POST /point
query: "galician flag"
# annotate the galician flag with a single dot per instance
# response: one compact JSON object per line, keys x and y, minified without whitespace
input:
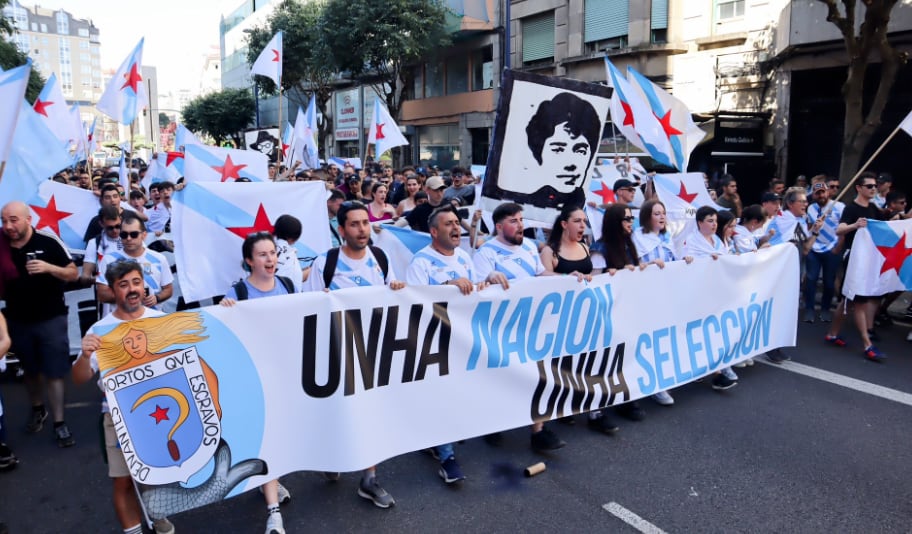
{"x":906,"y":124}
{"x":632,"y":116}
{"x":674,"y":117}
{"x":287,"y":139}
{"x":682,"y":195}
{"x":124,"y":172}
{"x":63,"y":210}
{"x":384,"y":132}
{"x":211,"y":220}
{"x":303,"y":145}
{"x":90,"y":137}
{"x":52,"y":108}
{"x":879,"y":262}
{"x":184,"y":137}
{"x":125,"y":96}
{"x":204,"y":163}
{"x":12,"y":94}
{"x":601,"y":184}
{"x":269,"y":62}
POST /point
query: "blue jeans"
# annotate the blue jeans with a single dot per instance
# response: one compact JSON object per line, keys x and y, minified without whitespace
{"x":814,"y":264}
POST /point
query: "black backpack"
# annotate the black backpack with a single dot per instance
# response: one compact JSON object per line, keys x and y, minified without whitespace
{"x":241,"y":288}
{"x":332,"y":258}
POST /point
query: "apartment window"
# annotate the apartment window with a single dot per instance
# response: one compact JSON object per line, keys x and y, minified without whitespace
{"x":538,"y":38}
{"x":433,"y":80}
{"x":44,"y":28}
{"x":419,"y":81}
{"x":34,"y":26}
{"x":63,"y":23}
{"x":729,"y":9}
{"x":439,"y":145}
{"x":84,"y":45}
{"x":606,"y":19}
{"x":457,"y":75}
{"x":483,"y":69}
{"x":83,"y":32}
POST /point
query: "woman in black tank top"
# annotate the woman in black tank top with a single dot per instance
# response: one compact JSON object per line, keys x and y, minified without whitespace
{"x":565,"y":252}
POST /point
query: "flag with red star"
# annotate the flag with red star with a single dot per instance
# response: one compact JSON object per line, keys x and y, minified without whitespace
{"x":12,"y":93}
{"x":880,"y":259}
{"x":62,"y":120}
{"x":125,"y":95}
{"x":632,"y":116}
{"x":211,"y":220}
{"x":63,"y":210}
{"x":682,"y":195}
{"x":203,"y":163}
{"x":269,"y":62}
{"x":384,"y":132}
{"x":672,"y":114}
{"x":601,"y":183}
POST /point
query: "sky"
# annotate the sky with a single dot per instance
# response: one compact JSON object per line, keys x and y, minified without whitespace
{"x":178,"y":33}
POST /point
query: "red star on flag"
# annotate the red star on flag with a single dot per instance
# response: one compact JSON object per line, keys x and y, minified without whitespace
{"x":275,"y":57}
{"x":895,"y":256}
{"x":229,"y":169}
{"x":285,"y":149}
{"x":41,"y":106}
{"x":606,"y":193}
{"x":380,"y":131}
{"x":133,"y":78}
{"x":260,"y":224}
{"x":628,"y":114}
{"x":685,"y":196}
{"x":666,"y":124}
{"x":49,"y":216}
{"x":173,"y":156}
{"x":160,"y":414}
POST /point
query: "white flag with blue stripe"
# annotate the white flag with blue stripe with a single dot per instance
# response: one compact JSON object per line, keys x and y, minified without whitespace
{"x":204,"y":163}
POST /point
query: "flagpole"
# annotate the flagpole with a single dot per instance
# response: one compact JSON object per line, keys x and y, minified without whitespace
{"x":865,"y":166}
{"x":2,"y":168}
{"x":279,"y":156}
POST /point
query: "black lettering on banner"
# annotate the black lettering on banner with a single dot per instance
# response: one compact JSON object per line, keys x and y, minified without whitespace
{"x":354,"y":342}
{"x":309,"y":357}
{"x":440,"y":320}
{"x":408,"y":344}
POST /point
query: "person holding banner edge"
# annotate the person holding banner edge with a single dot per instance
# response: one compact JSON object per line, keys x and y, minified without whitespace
{"x":261,"y":261}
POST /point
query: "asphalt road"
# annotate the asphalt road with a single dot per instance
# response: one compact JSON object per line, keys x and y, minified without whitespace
{"x":782,"y":452}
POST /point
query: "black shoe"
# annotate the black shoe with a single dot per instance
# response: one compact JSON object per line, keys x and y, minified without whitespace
{"x":777,"y":356}
{"x":495,"y":439}
{"x":568,"y":420}
{"x":36,"y":421}
{"x":631,"y":411}
{"x":721,"y":383}
{"x":64,"y":437}
{"x":603,"y":424}
{"x":545,"y":440}
{"x":8,"y":460}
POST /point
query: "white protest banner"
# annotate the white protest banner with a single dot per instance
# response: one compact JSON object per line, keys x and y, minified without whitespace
{"x":210,"y":221}
{"x":343,"y":380}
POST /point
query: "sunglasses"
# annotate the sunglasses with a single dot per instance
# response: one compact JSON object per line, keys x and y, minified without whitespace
{"x":833,"y":186}
{"x":132,"y":235}
{"x":869,"y":186}
{"x":114,"y":228}
{"x":629,"y":219}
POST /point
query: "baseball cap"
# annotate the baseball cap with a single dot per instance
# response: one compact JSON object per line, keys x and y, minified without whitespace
{"x":769,"y":197}
{"x":623,"y":183}
{"x":818,"y":187}
{"x":435,"y":182}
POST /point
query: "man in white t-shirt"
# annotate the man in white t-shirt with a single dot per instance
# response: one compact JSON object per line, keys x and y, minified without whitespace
{"x":355,"y":264}
{"x":156,"y":271}
{"x":126,"y":283}
{"x":510,"y":257}
{"x":97,"y":247}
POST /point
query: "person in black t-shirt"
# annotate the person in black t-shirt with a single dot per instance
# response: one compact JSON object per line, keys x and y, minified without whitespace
{"x":863,"y":307}
{"x":37,"y":315}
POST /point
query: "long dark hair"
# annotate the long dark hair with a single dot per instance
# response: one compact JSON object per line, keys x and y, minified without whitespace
{"x":557,"y":231}
{"x":722,"y":219}
{"x":646,"y":216}
{"x":616,"y":245}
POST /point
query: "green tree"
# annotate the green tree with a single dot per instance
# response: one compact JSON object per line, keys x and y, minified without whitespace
{"x":378,"y":42}
{"x":305,"y":69}
{"x":11,"y":57}
{"x":222,"y":115}
{"x":863,"y":44}
{"x":163,"y":120}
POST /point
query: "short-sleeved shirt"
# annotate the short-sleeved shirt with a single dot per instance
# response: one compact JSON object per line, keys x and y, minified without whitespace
{"x":349,"y":273}
{"x":854,"y":211}
{"x":287,"y":263}
{"x":97,"y":248}
{"x":827,"y":238}
{"x":37,"y":297}
{"x":159,"y":216}
{"x":430,"y":268}
{"x":254,"y":293}
{"x":155,"y":268}
{"x":514,"y":261}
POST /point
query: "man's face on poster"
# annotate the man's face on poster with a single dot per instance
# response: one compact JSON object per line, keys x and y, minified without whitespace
{"x":566,"y":158}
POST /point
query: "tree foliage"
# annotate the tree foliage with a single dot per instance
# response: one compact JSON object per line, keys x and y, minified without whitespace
{"x":306,"y":69}
{"x":863,"y":43}
{"x":11,"y":57}
{"x":377,"y":42}
{"x":163,"y":120}
{"x":222,"y":115}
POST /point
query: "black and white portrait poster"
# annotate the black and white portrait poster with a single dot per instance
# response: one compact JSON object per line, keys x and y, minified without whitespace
{"x":546,"y":137}
{"x":265,"y":141}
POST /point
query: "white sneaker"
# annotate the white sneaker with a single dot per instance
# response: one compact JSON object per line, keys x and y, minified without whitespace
{"x":284,"y":494}
{"x":274,"y":524}
{"x":749,"y":362}
{"x":729,"y":374}
{"x":664,"y":398}
{"x":163,"y":526}
{"x":909,"y":337}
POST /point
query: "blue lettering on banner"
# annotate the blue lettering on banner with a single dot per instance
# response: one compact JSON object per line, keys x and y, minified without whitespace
{"x":712,"y":342}
{"x":526,"y":328}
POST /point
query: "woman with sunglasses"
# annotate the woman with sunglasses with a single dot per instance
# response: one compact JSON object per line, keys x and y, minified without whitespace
{"x":613,"y":252}
{"x":260,"y":260}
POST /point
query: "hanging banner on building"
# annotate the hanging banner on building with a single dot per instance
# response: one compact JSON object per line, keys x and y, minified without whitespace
{"x":336,"y":381}
{"x":348,"y":115}
{"x":552,"y":127}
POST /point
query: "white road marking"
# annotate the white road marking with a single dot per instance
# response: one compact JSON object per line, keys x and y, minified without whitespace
{"x":635,"y":521}
{"x":81,"y":404}
{"x":845,"y":381}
